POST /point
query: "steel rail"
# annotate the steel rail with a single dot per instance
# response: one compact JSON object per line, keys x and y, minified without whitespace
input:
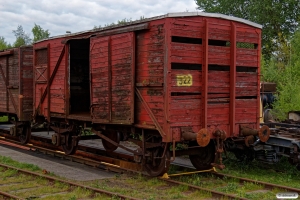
{"x":10,"y":196}
{"x":215,"y":194}
{"x":87,"y":158}
{"x":265,"y":184}
{"x":50,"y":178}
{"x":117,"y":168}
{"x":242,"y":179}
{"x":98,"y":161}
{"x":79,"y":157}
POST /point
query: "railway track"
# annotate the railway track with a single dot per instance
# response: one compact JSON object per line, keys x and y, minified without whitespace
{"x":214,"y":194}
{"x":84,"y":157}
{"x":264,"y":187}
{"x":40,"y":181}
{"x":111,"y":167}
{"x":120,"y":166}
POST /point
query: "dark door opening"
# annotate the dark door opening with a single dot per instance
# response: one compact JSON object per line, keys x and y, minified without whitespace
{"x":79,"y":76}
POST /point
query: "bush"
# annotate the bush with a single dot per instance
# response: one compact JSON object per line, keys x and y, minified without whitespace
{"x":286,"y":74}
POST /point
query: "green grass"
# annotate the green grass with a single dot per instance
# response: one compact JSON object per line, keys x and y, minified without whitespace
{"x":282,"y":173}
{"x":144,"y":187}
{"x":8,"y":161}
{"x":139,"y":186}
{"x":3,"y":119}
{"x":9,"y":173}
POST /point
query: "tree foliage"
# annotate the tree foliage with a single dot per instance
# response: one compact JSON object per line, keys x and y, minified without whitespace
{"x":4,"y":44}
{"x":284,"y":70}
{"x":39,"y":33}
{"x":120,"y":22}
{"x":279,"y":18}
{"x":22,"y":38}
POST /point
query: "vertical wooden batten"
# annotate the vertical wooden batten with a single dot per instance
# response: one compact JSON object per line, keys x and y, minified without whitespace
{"x":258,"y":78}
{"x":205,"y":76}
{"x":232,"y":78}
{"x":109,"y":80}
{"x":20,"y":112}
{"x":48,"y":82}
{"x":66,"y":86}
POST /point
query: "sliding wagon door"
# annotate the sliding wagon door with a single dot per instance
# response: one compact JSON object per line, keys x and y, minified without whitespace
{"x":112,"y":78}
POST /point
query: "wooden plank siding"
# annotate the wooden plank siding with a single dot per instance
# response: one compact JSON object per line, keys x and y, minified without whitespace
{"x":16,"y":94}
{"x":112,"y":80}
{"x":10,"y":67}
{"x":57,"y":87}
{"x":150,"y":61}
{"x":192,"y":72}
{"x":26,"y":83}
{"x":186,"y":109}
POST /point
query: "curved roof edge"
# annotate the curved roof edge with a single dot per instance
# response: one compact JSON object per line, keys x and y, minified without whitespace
{"x":178,"y":14}
{"x":214,"y":15}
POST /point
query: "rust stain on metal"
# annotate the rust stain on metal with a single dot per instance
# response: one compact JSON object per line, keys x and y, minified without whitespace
{"x":203,"y":137}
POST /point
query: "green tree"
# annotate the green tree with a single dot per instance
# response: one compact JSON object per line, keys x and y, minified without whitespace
{"x":284,"y":69}
{"x":39,"y":33}
{"x":4,"y":44}
{"x":279,"y":18}
{"x":21,"y":37}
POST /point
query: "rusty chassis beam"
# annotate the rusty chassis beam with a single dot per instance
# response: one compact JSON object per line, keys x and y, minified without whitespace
{"x":116,"y":144}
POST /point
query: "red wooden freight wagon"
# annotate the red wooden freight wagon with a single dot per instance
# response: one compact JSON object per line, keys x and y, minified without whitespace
{"x":180,"y":77}
{"x":16,"y":88}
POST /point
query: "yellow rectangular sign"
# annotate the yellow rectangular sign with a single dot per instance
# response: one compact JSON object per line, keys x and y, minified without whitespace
{"x":184,"y":80}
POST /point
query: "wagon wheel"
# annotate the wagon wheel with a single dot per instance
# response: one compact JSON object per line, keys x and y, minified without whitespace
{"x":113,"y":135}
{"x":70,"y":145}
{"x":204,"y":158}
{"x":25,"y":134}
{"x":158,"y":166}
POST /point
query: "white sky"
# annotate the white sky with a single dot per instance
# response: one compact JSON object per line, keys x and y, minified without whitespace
{"x":59,"y":16}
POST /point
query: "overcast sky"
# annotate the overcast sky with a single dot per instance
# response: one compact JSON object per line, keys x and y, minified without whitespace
{"x":59,"y":16}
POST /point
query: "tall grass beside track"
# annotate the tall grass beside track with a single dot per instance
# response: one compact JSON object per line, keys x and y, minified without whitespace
{"x":282,"y":173}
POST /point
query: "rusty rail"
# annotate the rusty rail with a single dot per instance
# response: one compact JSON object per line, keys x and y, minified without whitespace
{"x":50,"y":178}
{"x":118,"y":168}
{"x":98,"y":161}
{"x":265,"y":184}
{"x":215,"y":194}
{"x":242,"y":180}
{"x":10,"y":196}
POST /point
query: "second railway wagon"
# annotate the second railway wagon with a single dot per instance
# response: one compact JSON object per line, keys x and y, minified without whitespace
{"x":190,"y":78}
{"x":16,"y":89}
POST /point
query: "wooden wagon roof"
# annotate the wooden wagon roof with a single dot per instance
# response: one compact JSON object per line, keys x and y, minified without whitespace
{"x":169,"y":15}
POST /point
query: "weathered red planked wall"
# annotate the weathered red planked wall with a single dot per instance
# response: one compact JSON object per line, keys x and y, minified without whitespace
{"x":178,"y":74}
{"x":26,"y":83}
{"x":150,"y":64}
{"x":112,"y":78}
{"x":51,"y":67}
{"x":46,"y":56}
{"x":16,"y":86}
{"x":225,"y":92}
